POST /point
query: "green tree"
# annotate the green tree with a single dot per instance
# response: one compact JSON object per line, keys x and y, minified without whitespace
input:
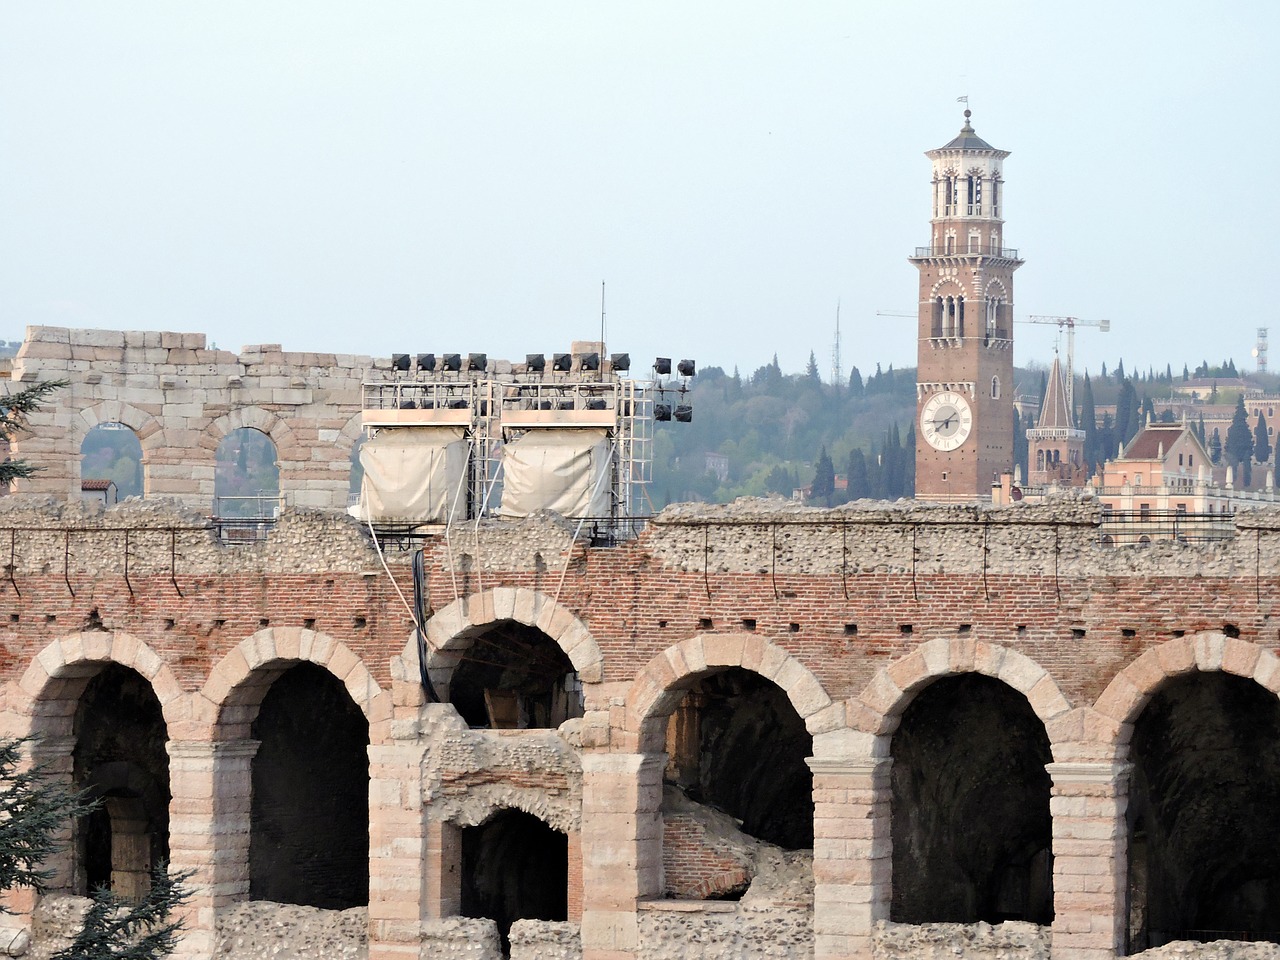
{"x":824,"y":478}
{"x":856,"y":471}
{"x":1089,"y":423}
{"x":1261,"y":442}
{"x":1215,"y":446}
{"x":855,"y":383}
{"x":15,"y":409}
{"x":811,"y":369}
{"x":1239,"y":446}
{"x":116,"y":929}
{"x":33,"y":810}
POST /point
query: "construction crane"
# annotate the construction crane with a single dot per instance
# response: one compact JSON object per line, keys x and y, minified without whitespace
{"x":1069,"y":324}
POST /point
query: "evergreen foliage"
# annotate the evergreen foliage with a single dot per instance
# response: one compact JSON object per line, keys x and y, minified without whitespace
{"x":824,"y":478}
{"x":33,"y":811}
{"x":1261,"y":442}
{"x":1215,"y":446}
{"x":14,"y":411}
{"x":1239,"y":446}
{"x":117,"y":929}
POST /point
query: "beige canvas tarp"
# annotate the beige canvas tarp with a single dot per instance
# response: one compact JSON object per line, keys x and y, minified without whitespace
{"x":561,"y":470}
{"x":412,"y":474}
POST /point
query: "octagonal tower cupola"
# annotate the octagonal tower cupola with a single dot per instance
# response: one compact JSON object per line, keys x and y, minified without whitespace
{"x":968,"y":194}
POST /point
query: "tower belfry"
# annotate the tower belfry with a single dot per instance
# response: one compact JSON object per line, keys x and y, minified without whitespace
{"x":964,"y":379}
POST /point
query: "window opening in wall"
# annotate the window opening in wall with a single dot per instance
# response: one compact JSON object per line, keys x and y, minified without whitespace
{"x":514,"y":867}
{"x":735,"y":746}
{"x":111,"y":464}
{"x":246,"y":485}
{"x":995,"y":388}
{"x":356,"y":476}
{"x":309,"y":816}
{"x":120,"y":759}
{"x":1203,"y":861}
{"x":513,"y":676}
{"x":970,"y":807}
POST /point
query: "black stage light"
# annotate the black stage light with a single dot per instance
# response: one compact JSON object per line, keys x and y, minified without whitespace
{"x":565,"y":405}
{"x":662,"y":366}
{"x":544,"y":404}
{"x":399,"y":361}
{"x":687,"y":368}
{"x":452,"y":362}
{"x":535,"y":362}
{"x":561,"y":362}
{"x":596,"y":403}
{"x":684,"y":413}
{"x":477,"y":361}
{"x":590,"y":361}
{"x":457,"y":404}
{"x":408,"y":405}
{"x":427,"y":362}
{"x":662,"y":412}
{"x":620,"y":362}
{"x":428,"y":404}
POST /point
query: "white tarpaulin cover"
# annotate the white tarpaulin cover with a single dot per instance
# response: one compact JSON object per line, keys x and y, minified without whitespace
{"x":411,"y":474}
{"x":561,"y":470}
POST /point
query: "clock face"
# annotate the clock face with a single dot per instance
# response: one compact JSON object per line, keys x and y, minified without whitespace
{"x":946,"y":420}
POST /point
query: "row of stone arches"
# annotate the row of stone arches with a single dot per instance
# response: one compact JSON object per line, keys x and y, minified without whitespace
{"x":133,"y":449}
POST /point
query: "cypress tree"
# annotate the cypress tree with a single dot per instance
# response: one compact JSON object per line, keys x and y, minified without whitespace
{"x":1261,"y":443}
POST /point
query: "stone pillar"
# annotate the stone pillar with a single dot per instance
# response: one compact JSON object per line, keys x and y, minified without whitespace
{"x":209,"y":817}
{"x":1089,"y":859}
{"x":852,"y":854}
{"x":443,"y":868}
{"x":621,"y":848}
{"x":401,"y":891}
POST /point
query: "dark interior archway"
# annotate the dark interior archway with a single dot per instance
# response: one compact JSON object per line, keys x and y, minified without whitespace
{"x":737,"y":744}
{"x":514,"y":676}
{"x":309,"y":839}
{"x":1204,"y":856}
{"x":970,"y":807}
{"x":120,"y":759}
{"x":514,"y":867}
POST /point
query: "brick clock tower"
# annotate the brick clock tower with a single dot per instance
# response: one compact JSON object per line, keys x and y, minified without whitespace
{"x":964,"y":377}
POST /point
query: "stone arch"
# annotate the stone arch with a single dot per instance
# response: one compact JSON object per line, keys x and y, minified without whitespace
{"x":1133,"y":687}
{"x":447,"y":630}
{"x":661,"y":683}
{"x":61,"y":671}
{"x":878,"y":709}
{"x":945,"y":282}
{"x":287,"y":444}
{"x":238,"y":682}
{"x":484,"y":801}
{"x":148,"y":430}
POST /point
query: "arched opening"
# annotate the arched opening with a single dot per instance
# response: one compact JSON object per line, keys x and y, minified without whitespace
{"x":246,"y":482}
{"x":120,"y":758}
{"x":356,"y":475}
{"x":735,"y":746}
{"x":111,"y":453}
{"x":514,"y":867}
{"x":309,"y":815}
{"x":970,"y":807}
{"x":1204,"y":860}
{"x":511,"y":675}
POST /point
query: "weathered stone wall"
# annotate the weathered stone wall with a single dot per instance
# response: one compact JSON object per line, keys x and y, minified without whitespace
{"x":725,"y":931}
{"x":978,"y":941}
{"x":545,"y":940}
{"x":260,"y":930}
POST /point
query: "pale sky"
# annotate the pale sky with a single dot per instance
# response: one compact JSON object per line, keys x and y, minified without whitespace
{"x":457,"y":177}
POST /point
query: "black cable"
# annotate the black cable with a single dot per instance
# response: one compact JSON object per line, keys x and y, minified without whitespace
{"x":419,"y":618}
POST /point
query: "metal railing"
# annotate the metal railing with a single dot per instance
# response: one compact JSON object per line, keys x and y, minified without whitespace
{"x":959,"y":250}
{"x":1140,"y":527}
{"x":245,"y":519}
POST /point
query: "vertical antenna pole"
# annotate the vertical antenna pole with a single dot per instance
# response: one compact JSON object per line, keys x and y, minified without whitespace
{"x":602,"y":325}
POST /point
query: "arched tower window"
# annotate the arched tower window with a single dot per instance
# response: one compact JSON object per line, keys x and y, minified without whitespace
{"x":111,"y":452}
{"x":995,"y":388}
{"x":246,"y":484}
{"x":936,"y":325}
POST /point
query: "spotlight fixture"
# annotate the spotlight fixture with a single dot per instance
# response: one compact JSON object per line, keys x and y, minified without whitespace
{"x":408,"y":405}
{"x":687,"y":368}
{"x":561,"y":362}
{"x":477,"y":361}
{"x":662,"y":366}
{"x":590,"y":361}
{"x":426,"y":361}
{"x":544,"y":404}
{"x":565,"y":405}
{"x":684,"y":413}
{"x":535,"y":362}
{"x":452,"y":362}
{"x":620,"y":362}
{"x":596,"y":403}
{"x":662,"y":412}
{"x":400,"y":361}
{"x":458,"y":404}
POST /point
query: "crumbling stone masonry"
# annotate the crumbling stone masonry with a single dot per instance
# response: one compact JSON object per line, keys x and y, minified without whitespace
{"x":851,"y":613}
